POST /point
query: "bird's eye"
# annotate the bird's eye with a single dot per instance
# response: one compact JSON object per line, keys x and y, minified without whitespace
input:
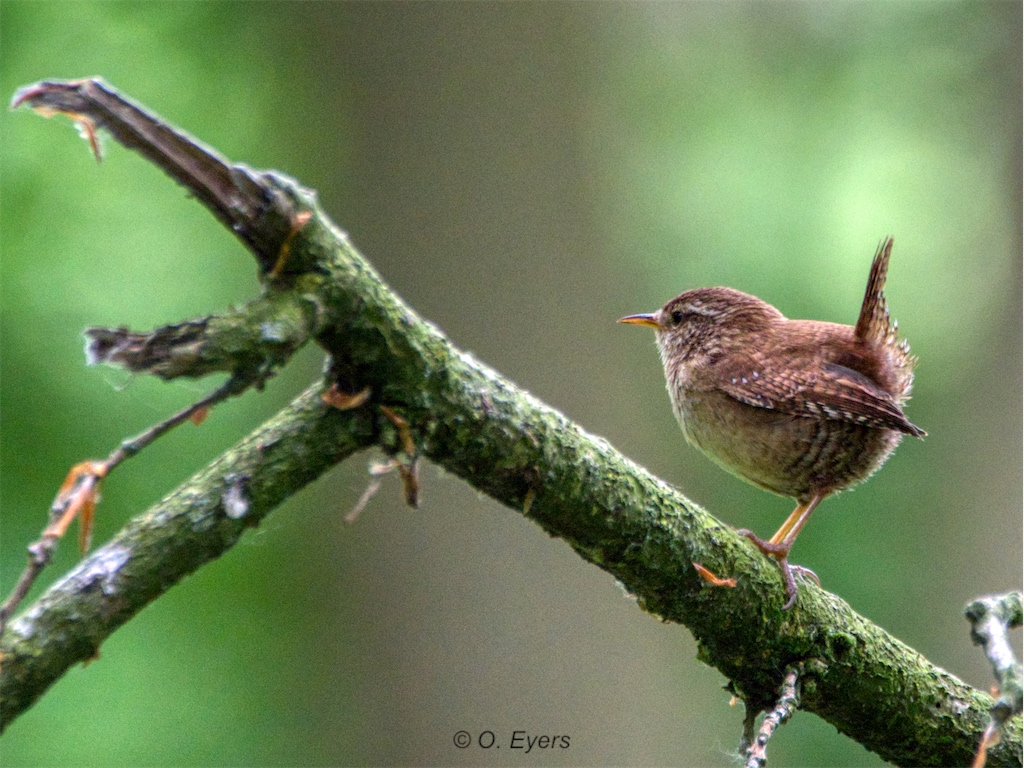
{"x":677,"y":317}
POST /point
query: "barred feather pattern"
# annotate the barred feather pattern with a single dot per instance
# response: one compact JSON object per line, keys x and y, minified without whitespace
{"x":875,"y":327}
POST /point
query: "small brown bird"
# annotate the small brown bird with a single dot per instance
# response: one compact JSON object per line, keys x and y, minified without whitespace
{"x":801,"y":408}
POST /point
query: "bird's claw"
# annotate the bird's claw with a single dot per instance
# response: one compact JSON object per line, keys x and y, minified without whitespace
{"x":779,"y":551}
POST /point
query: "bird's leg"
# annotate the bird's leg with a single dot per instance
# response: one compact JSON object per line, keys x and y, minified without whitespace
{"x":778,"y":546}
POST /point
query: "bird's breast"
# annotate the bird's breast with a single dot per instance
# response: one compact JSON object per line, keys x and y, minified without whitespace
{"x":783,"y":453}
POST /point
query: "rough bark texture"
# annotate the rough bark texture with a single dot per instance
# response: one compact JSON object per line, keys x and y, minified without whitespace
{"x":504,"y":442}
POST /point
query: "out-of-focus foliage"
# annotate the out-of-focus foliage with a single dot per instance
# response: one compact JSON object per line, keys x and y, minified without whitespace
{"x":523,"y":174}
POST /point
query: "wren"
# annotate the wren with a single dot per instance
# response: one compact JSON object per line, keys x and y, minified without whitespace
{"x":801,"y":408}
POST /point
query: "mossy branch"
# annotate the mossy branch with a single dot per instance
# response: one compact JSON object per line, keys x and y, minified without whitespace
{"x":477,"y":425}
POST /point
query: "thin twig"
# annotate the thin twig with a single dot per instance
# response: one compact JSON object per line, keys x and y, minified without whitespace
{"x":756,"y":753}
{"x":408,"y":466}
{"x":750,"y":714}
{"x":377,"y":472}
{"x":78,"y":494}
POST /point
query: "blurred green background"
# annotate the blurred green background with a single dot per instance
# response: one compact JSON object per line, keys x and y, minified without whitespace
{"x":523,"y":174}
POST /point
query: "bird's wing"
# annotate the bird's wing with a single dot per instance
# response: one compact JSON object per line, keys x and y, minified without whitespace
{"x":828,"y":391}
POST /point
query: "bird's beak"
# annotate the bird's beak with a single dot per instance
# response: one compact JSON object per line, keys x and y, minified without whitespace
{"x":650,"y":320}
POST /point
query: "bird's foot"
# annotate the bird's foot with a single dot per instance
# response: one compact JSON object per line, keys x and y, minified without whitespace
{"x":779,"y":551}
{"x":770,"y":548}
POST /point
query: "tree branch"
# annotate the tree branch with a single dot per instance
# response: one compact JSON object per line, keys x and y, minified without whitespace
{"x":500,"y":439}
